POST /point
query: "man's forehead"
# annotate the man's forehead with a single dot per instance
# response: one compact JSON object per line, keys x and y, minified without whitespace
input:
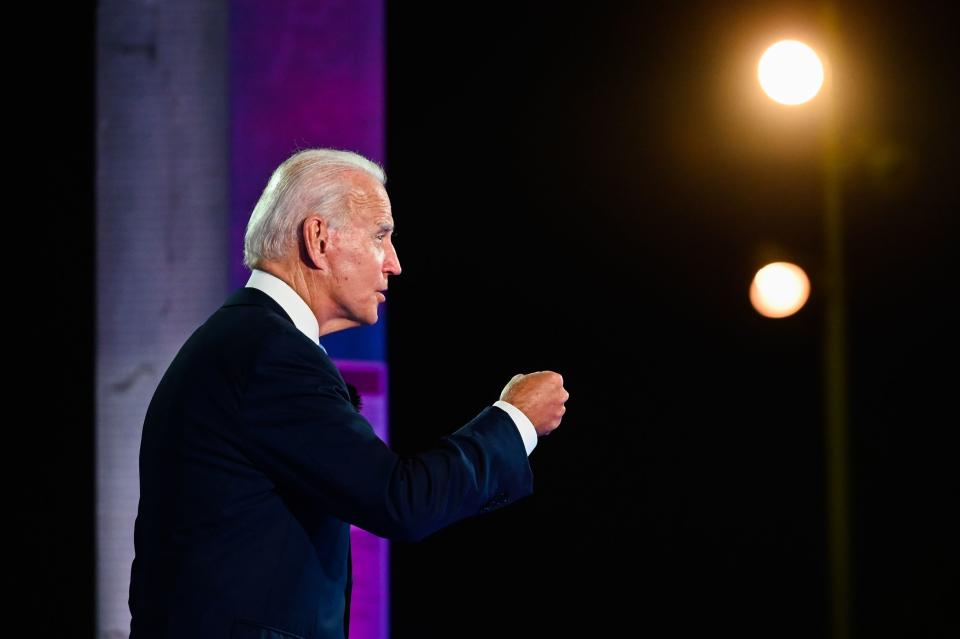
{"x":370,"y":200}
{"x":384,"y":222}
{"x":374,"y":214}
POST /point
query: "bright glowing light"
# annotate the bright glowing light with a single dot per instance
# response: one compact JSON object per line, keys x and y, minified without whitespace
{"x":790,"y":72}
{"x":779,"y":289}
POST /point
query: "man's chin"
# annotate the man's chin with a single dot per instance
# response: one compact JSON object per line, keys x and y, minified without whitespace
{"x":368,"y":320}
{"x":342,"y":324}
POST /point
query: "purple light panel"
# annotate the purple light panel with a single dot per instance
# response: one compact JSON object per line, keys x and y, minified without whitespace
{"x":302,"y":74}
{"x":309,"y":74}
{"x":370,"y":603}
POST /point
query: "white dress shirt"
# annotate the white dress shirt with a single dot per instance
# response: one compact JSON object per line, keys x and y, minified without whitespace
{"x":304,"y":319}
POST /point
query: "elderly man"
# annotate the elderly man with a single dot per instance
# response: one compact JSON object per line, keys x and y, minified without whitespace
{"x":254,"y":461}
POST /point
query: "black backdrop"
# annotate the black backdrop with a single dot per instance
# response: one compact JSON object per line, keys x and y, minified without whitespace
{"x":587,"y":189}
{"x":574,"y":191}
{"x":49,"y":312}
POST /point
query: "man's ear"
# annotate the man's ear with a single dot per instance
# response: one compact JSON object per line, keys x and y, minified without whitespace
{"x":315,"y":241}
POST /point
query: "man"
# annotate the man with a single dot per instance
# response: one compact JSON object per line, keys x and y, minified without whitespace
{"x":254,"y":462}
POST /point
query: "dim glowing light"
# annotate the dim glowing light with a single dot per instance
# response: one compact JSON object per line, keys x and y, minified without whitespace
{"x":790,"y":72}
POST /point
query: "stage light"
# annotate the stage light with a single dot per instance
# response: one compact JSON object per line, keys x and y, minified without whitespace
{"x":779,"y":289}
{"x":790,"y":72}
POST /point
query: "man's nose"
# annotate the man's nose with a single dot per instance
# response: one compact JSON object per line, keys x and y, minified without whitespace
{"x":392,"y":264}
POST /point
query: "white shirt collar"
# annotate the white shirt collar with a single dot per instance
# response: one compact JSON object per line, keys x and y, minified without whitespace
{"x":303,"y":318}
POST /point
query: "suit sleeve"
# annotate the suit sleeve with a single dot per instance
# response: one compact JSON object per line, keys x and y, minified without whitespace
{"x":299,"y":427}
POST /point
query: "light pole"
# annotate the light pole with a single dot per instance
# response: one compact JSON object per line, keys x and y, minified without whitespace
{"x":791,"y":74}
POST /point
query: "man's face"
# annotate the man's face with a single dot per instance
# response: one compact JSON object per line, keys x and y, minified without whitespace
{"x":361,"y":253}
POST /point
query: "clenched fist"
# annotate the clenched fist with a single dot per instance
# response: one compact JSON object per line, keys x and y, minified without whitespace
{"x":540,"y":396}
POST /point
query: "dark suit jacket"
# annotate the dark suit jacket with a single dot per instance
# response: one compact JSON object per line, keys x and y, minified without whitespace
{"x":253,"y":463}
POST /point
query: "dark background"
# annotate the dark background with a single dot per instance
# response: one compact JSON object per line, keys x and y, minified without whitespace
{"x":50,"y":319}
{"x":587,"y":190}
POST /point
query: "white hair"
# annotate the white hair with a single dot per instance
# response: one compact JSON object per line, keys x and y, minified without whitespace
{"x":308,"y":182}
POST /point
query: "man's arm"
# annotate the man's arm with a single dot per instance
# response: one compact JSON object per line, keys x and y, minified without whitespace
{"x":298,"y":426}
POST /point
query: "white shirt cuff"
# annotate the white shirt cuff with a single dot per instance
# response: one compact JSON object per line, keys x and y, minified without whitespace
{"x":527,"y":432}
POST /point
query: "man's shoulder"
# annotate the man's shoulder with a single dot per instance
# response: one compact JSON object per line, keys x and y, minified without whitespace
{"x":251,"y":317}
{"x":254,"y":302}
{"x":240,"y":325}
